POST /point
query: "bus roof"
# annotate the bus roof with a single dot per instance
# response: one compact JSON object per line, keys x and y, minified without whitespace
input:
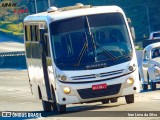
{"x":63,"y":14}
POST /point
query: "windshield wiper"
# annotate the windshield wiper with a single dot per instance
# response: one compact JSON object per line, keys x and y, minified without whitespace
{"x":96,"y":44}
{"x":106,"y":52}
{"x":81,"y":54}
{"x":91,"y":36}
{"x":82,"y":51}
{"x":86,"y":44}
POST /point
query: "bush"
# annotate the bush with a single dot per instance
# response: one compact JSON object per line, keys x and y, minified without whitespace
{"x":15,"y":27}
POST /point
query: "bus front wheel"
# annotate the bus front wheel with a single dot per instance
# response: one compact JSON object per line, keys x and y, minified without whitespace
{"x":145,"y":87}
{"x":61,"y":108}
{"x":153,"y":86}
{"x":129,"y":99}
{"x":56,"y":106}
{"x":46,"y":106}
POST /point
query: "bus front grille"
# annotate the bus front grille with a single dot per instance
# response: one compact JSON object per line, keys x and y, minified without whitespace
{"x":89,"y":93}
{"x":101,"y":75}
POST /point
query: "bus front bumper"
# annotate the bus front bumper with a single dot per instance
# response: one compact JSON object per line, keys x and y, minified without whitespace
{"x":81,"y":93}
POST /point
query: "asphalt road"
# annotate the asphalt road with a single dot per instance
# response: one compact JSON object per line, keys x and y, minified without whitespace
{"x":7,"y":44}
{"x":15,"y":95}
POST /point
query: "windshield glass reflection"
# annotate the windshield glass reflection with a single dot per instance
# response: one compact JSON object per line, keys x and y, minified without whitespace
{"x":87,"y":40}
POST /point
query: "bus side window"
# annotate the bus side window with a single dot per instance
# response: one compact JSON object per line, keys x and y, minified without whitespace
{"x":26,"y":37}
{"x":37,"y":33}
{"x":27,"y":33}
{"x":47,"y":45}
{"x":47,"y":50}
{"x":33,"y":33}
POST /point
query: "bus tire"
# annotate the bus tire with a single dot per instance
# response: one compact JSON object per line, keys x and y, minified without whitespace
{"x":153,"y":86}
{"x":145,"y":87}
{"x":61,"y":108}
{"x":56,"y":106}
{"x":114,"y":100}
{"x":46,"y":106}
{"x":129,"y":99}
{"x":105,"y":101}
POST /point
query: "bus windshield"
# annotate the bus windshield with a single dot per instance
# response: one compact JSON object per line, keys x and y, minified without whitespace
{"x":90,"y":42}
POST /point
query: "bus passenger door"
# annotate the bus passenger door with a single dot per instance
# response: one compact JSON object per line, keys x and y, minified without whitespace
{"x":46,"y":60}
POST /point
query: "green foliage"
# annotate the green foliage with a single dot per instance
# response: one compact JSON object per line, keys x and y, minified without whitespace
{"x":4,"y":22}
{"x":6,"y":31}
{"x":17,"y":34}
{"x":8,"y":26}
{"x":142,"y":19}
{"x":143,"y":13}
{"x":15,"y":27}
{"x":10,"y":22}
{"x":139,"y":48}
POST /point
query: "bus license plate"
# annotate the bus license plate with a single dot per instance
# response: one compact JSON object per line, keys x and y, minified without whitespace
{"x":99,"y":87}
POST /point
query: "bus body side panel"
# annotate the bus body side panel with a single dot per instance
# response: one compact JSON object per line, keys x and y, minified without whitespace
{"x":52,"y":81}
{"x":35,"y":70}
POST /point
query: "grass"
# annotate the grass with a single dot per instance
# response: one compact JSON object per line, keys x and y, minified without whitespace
{"x":17,"y":34}
{"x":11,"y":28}
{"x":5,"y":31}
{"x":139,"y":49}
{"x":4,"y":22}
{"x":12,"y":33}
{"x":15,"y":27}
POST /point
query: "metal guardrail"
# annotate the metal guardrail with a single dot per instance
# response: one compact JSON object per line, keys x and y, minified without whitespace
{"x":13,"y":59}
{"x":18,"y":53}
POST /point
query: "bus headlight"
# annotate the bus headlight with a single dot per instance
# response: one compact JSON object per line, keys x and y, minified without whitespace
{"x":63,"y":77}
{"x":130,"y":68}
{"x":157,"y":72}
{"x":59,"y":76}
{"x":130,"y":81}
{"x":66,"y":90}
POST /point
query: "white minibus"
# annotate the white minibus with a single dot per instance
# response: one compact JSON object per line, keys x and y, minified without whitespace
{"x":80,"y":54}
